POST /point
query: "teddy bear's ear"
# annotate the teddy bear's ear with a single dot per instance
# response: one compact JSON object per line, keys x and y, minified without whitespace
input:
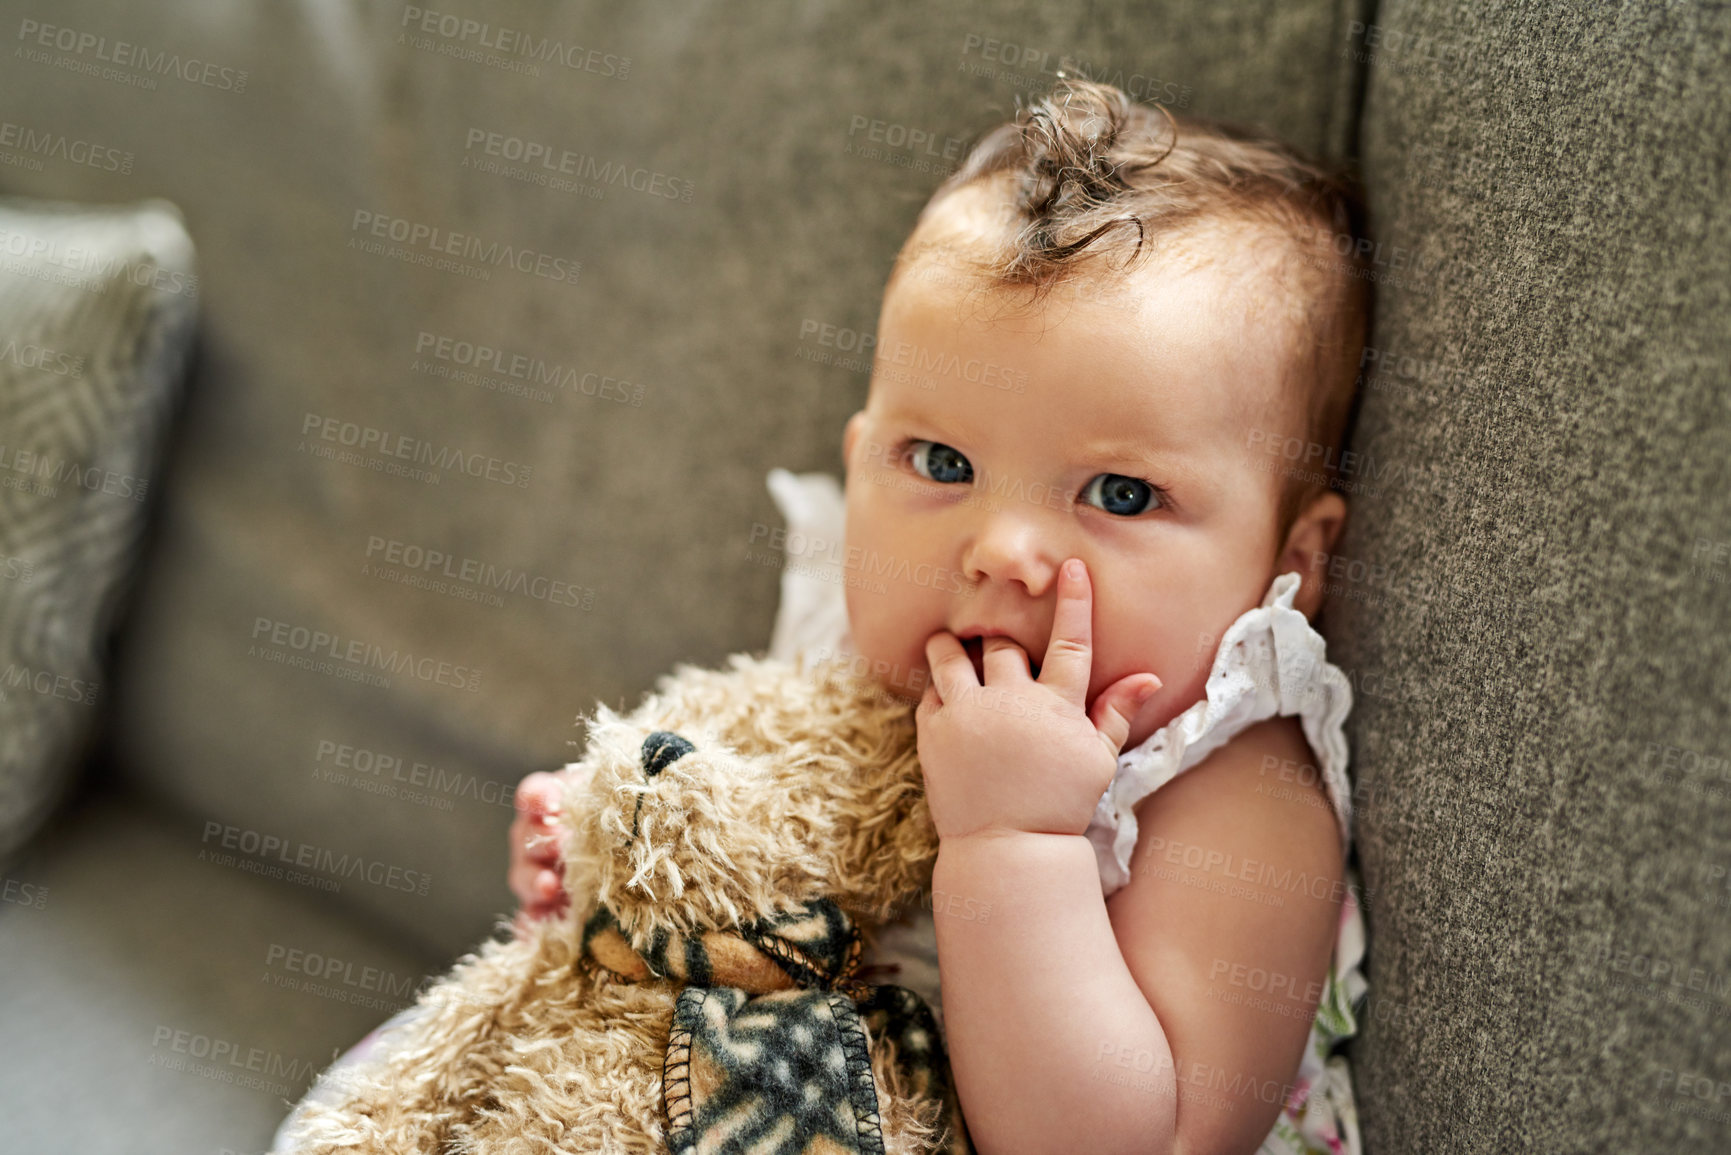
{"x":590,"y":722}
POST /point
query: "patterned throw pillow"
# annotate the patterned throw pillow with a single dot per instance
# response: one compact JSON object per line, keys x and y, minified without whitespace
{"x":97,"y":311}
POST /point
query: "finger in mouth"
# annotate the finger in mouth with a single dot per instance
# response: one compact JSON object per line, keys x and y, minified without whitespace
{"x":976,"y":650}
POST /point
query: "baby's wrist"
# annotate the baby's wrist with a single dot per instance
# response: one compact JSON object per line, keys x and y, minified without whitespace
{"x":1002,"y":870}
{"x":1000,"y":840}
{"x":992,"y":830}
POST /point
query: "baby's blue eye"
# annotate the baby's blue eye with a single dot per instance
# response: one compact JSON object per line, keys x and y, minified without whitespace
{"x":1118,"y":494}
{"x":1113,"y":492}
{"x":939,"y":462}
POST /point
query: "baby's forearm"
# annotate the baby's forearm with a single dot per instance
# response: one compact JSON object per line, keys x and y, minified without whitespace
{"x":1040,"y":1006}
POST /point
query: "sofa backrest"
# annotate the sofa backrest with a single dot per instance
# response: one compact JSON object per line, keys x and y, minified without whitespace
{"x":1534,"y":591}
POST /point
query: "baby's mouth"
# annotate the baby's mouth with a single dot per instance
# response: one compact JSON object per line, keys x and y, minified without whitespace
{"x":976,"y":655}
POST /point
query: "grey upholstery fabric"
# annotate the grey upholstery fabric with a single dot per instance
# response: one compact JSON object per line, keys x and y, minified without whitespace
{"x":154,"y":1002}
{"x":1543,"y":666}
{"x":97,"y":306}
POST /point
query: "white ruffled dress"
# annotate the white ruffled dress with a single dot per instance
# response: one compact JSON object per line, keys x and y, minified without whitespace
{"x":1270,"y":662}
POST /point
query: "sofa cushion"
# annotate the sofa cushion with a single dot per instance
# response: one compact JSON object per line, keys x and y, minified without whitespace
{"x":160,"y":999}
{"x":1531,"y":596}
{"x":97,"y":310}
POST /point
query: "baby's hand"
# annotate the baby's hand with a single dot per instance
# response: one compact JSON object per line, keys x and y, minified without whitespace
{"x":1020,"y":754}
{"x":536,"y":873}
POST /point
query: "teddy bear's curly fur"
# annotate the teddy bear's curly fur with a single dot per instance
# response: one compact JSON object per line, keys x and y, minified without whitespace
{"x":729,"y":796}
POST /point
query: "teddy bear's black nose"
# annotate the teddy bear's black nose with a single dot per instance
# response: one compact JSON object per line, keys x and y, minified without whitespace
{"x":662,"y":749}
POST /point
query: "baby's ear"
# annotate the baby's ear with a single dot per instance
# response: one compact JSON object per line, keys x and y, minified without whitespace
{"x":851,"y":434}
{"x":1309,"y":544}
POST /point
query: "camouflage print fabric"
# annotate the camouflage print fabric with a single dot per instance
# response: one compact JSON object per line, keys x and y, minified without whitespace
{"x":769,"y":1050}
{"x":788,"y":1072}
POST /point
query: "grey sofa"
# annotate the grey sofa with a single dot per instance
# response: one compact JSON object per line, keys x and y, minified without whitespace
{"x":1531,"y":599}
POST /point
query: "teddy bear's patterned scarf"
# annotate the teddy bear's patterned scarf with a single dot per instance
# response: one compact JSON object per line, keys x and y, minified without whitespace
{"x":769,"y":1051}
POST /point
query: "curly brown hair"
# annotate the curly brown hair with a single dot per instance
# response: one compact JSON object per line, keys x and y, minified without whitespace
{"x":1086,"y":172}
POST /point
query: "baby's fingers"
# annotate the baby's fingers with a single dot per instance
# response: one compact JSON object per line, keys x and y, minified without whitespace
{"x":534,"y":884}
{"x":528,"y":916}
{"x":1116,"y":708}
{"x":532,"y":833}
{"x":1069,"y":659}
{"x":535,"y":839}
{"x":539,"y":793}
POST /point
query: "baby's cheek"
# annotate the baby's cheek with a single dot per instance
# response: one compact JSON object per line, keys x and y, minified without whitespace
{"x":1179,"y":691}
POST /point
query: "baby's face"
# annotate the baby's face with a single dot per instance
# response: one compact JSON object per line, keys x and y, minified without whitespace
{"x":998,"y":448}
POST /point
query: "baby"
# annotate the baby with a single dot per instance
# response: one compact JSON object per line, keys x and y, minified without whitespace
{"x":1097,"y":350}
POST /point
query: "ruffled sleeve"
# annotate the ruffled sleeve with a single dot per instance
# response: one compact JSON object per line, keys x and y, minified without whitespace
{"x":1270,"y":663}
{"x":811,"y":621}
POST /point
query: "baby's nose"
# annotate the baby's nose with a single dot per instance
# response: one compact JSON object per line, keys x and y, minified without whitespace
{"x":662,"y":749}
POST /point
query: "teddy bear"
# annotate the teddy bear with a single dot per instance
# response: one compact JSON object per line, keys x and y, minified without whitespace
{"x":729,"y":847}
